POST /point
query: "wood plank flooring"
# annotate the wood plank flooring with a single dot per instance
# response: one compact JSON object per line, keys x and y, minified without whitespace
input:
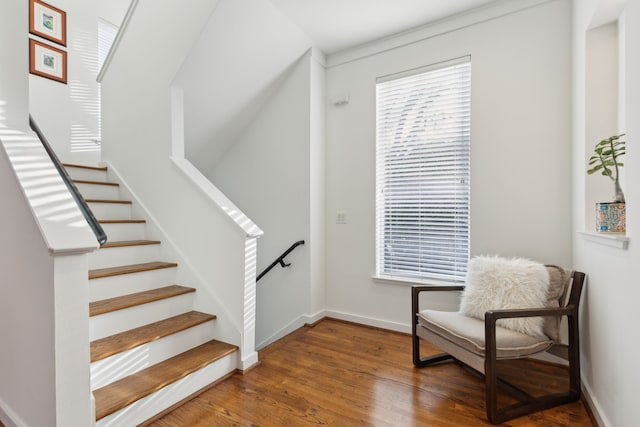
{"x":341,"y":374}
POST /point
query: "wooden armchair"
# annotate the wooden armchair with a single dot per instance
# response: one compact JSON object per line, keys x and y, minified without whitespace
{"x":480,"y":344}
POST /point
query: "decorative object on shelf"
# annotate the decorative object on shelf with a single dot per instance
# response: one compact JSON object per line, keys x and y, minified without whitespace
{"x":47,"y":61}
{"x":48,"y":22}
{"x":610,"y":217}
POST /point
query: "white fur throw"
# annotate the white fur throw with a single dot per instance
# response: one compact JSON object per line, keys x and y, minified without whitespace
{"x":495,"y":283}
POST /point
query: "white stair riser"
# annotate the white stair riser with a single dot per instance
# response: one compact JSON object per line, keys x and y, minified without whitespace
{"x":120,"y":365}
{"x":110,"y":210}
{"x":94,"y":191}
{"x":87,"y":174}
{"x":125,"y":255}
{"x":119,"y":232}
{"x":109,"y":287}
{"x":118,"y":321}
{"x":157,"y":402}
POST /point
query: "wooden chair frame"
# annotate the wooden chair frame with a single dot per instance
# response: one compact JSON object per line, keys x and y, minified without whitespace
{"x":527,"y":404}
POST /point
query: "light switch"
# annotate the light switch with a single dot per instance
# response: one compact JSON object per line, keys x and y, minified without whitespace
{"x":341,"y":217}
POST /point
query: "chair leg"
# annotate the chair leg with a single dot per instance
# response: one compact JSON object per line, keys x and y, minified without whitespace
{"x":420,"y":362}
{"x":527,"y":403}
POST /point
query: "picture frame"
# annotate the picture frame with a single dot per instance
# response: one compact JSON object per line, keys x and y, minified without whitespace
{"x":47,"y":61}
{"x":47,"y":22}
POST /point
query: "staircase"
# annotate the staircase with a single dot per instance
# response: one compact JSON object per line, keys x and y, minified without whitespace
{"x":150,"y":349}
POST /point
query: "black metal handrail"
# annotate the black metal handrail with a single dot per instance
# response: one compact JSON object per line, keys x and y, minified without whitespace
{"x":82,"y":204}
{"x":280,"y":259}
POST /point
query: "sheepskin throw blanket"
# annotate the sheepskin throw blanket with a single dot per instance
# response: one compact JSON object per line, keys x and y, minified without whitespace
{"x":496,"y":282}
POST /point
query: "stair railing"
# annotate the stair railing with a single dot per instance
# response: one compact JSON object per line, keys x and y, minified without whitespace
{"x":280,"y":259}
{"x":82,"y":204}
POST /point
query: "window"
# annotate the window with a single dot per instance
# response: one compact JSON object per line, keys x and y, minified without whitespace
{"x":106,"y":35}
{"x":423,"y":138}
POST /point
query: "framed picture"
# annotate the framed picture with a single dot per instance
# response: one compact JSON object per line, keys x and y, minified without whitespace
{"x":48,"y":22}
{"x":47,"y":61}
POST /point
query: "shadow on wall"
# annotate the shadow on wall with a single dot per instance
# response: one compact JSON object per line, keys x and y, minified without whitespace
{"x":206,"y":156}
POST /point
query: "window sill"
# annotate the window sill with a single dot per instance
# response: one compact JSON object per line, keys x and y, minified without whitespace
{"x":619,"y":241}
{"x":408,"y":281}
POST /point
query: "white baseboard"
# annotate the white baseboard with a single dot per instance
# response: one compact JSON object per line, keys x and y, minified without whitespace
{"x":594,"y":406}
{"x":249,"y":361}
{"x":311,"y":319}
{"x":283,"y":332}
{"x":369,"y":321}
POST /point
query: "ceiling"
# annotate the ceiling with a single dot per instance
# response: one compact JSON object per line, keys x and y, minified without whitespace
{"x":334,"y":25}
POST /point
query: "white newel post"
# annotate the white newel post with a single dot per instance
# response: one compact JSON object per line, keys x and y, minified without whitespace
{"x":71,"y":300}
{"x":248,"y":355}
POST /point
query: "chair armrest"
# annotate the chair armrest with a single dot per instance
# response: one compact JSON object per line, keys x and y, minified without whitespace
{"x":493,"y":315}
{"x":445,"y":288}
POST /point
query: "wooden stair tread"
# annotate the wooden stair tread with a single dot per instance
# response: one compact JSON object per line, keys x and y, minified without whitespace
{"x":84,"y":181}
{"x":119,"y":202}
{"x":121,"y":221}
{"x":114,"y":344}
{"x":96,"y":168}
{"x":125,"y":391}
{"x":124,"y":243}
{"x":131,"y":300}
{"x":128,"y":269}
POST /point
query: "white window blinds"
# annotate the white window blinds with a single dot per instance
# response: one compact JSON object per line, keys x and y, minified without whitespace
{"x":422,"y":172}
{"x":106,"y":35}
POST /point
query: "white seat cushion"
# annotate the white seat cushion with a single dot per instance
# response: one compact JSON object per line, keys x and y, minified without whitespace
{"x":468,"y":333}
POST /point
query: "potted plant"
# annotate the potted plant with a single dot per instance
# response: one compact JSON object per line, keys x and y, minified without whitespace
{"x":610,"y":216}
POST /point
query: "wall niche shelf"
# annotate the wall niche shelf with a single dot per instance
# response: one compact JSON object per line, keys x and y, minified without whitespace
{"x":614,"y":240}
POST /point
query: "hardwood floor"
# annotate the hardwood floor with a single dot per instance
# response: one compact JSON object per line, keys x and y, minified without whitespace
{"x":341,"y":374}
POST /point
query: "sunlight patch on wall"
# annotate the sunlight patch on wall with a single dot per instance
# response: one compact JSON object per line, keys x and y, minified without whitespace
{"x":84,"y":94}
{"x":3,"y":110}
{"x":41,"y":183}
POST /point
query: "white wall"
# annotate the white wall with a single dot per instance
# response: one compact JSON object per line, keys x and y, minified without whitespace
{"x":232,"y":71}
{"x":68,"y":113}
{"x":520,"y":139}
{"x":27,"y":374}
{"x":267,"y":173}
{"x":113,"y":11}
{"x":609,"y":350}
{"x":14,"y":84}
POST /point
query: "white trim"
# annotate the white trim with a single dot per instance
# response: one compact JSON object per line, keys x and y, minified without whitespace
{"x":369,"y":321}
{"x":8,"y":417}
{"x":613,"y":240}
{"x":249,"y":361}
{"x":217,"y":197}
{"x":435,"y":66}
{"x":292,"y":327}
{"x":446,"y":25}
{"x":412,"y":281}
{"x":66,"y":233}
{"x":318,"y":56}
{"x":182,"y":259}
{"x":116,"y":41}
{"x":595,"y":407}
{"x":283,"y":332}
